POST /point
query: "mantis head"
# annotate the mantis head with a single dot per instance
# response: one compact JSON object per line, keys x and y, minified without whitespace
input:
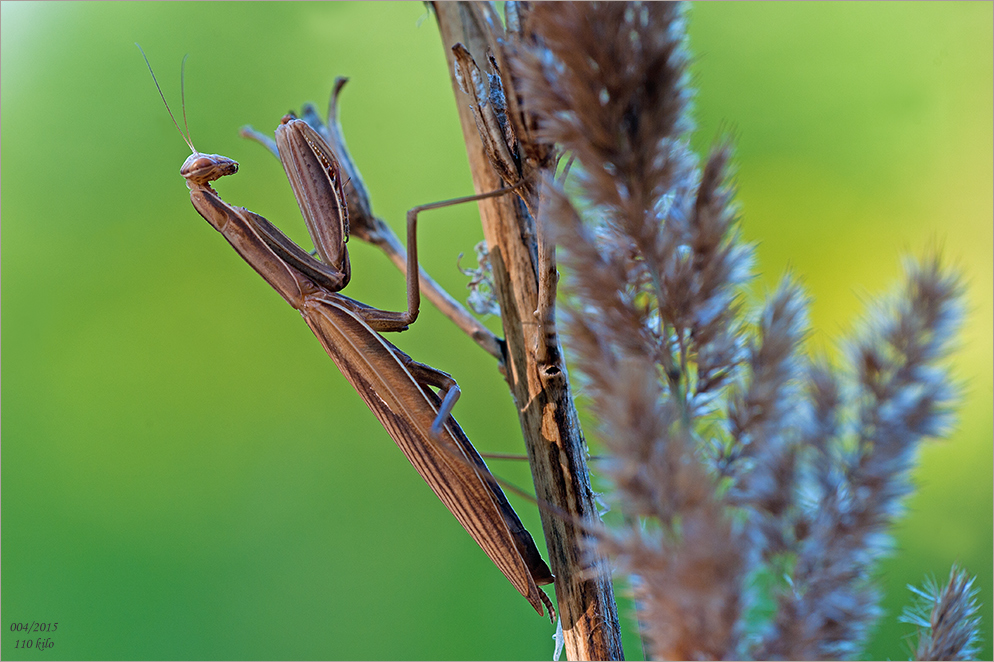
{"x":199,"y":169}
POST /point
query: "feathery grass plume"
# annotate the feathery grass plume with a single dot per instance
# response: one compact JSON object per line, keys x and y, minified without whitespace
{"x":731,"y":454}
{"x":654,"y":281}
{"x":865,"y":445}
{"x":761,"y":454}
{"x":946,"y":618}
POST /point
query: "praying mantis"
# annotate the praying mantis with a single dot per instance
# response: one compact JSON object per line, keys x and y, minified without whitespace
{"x":396,"y":388}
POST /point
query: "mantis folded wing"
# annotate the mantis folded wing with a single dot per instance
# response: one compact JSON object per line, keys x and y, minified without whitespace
{"x":397,"y":389}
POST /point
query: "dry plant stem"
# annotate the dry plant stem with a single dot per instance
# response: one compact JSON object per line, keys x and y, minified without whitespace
{"x":556,"y":450}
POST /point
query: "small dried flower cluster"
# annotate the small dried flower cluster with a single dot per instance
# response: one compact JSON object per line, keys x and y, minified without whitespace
{"x":946,"y":618}
{"x":481,"y":299}
{"x":732,"y":454}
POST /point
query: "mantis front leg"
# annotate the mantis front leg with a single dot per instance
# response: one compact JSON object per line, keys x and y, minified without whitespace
{"x":315,"y":177}
{"x":327,"y":137}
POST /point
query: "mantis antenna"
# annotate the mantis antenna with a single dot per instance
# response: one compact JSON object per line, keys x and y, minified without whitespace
{"x":186,"y":136}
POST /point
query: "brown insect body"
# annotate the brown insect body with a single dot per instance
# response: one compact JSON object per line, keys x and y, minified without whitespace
{"x":396,"y":388}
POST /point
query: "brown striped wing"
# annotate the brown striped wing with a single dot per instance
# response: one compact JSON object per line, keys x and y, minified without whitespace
{"x":369,"y":363}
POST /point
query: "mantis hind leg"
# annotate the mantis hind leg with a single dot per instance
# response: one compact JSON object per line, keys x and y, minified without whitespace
{"x":448,"y":389}
{"x":448,"y":393}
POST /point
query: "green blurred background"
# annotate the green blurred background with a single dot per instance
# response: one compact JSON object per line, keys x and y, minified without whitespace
{"x":185,"y":473}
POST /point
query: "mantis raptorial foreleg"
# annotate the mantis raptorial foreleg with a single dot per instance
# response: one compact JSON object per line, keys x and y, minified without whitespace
{"x":368,"y":227}
{"x":397,"y":389}
{"x":316,"y":179}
